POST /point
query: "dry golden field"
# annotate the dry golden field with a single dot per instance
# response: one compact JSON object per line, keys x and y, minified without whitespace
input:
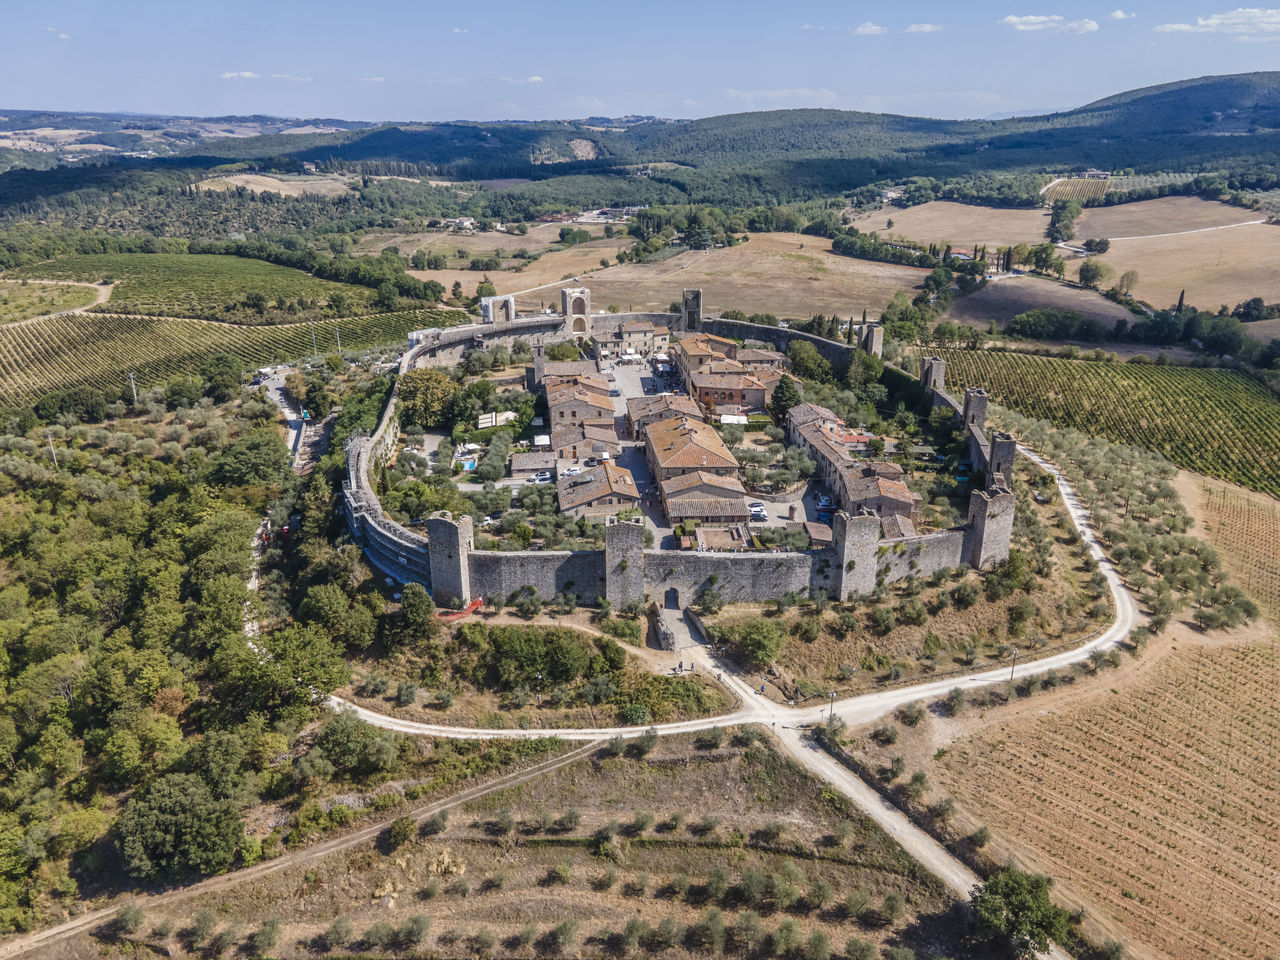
{"x":286,"y":186}
{"x":1153,"y":217}
{"x":960,"y":224}
{"x":1214,"y":267}
{"x":19,"y":301}
{"x":549,"y":268}
{"x":541,"y":236}
{"x":787,"y":274}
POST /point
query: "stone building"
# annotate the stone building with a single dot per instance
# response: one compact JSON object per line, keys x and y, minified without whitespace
{"x":642,"y":411}
{"x":599,"y":492}
{"x":682,"y":445}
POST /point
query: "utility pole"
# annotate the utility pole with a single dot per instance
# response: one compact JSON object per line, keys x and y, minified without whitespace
{"x":338,"y":333}
{"x":1015,"y":664}
{"x":135,"y":389}
{"x":52,"y":452}
{"x":315,"y":350}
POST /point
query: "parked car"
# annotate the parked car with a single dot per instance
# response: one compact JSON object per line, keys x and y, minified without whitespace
{"x":570,"y":471}
{"x":542,"y":476}
{"x":823,"y":500}
{"x":615,"y":393}
{"x":756,"y":506}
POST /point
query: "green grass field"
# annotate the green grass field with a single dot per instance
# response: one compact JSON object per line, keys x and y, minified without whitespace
{"x":1216,"y":422}
{"x":204,"y":286}
{"x":100,"y":350}
{"x":20,"y":301}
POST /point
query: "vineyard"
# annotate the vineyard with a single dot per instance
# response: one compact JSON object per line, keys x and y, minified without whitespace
{"x":1245,"y":529}
{"x":1156,"y":806}
{"x":205,"y":286}
{"x":1215,"y":422}
{"x":100,"y":349}
{"x":1075,"y":188}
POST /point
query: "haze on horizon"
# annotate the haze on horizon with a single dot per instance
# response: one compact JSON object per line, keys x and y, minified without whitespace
{"x":395,"y":60}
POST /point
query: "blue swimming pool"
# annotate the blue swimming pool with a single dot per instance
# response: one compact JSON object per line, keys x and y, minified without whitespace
{"x":468,"y":464}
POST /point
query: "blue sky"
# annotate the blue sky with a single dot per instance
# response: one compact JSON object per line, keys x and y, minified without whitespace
{"x":393,"y":60}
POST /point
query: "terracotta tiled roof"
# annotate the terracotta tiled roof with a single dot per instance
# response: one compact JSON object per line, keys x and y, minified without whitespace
{"x":677,"y":485}
{"x":639,"y":408}
{"x":895,"y":526}
{"x":589,"y":486}
{"x":685,"y":442}
{"x":868,"y":488}
{"x":726,"y":381}
{"x":803,"y":413}
{"x":699,"y":508}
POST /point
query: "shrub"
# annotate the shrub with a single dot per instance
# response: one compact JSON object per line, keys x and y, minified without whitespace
{"x":561,"y":873}
{"x":645,"y":743}
{"x":858,"y":949}
{"x":891,"y":907}
{"x":339,"y":933}
{"x":203,"y":925}
{"x":615,"y":747}
{"x":911,"y":714}
{"x":955,"y":701}
{"x":900,"y":953}
{"x":129,"y":918}
{"x":817,"y":947}
{"x":749,"y":930}
{"x":265,"y":937}
{"x":563,"y":934}
{"x":640,"y":823}
{"x":785,"y":938}
{"x":819,"y":895}
{"x":400,"y":832}
{"x":679,"y":885}
{"x":435,"y":823}
{"x":885,"y":735}
{"x":569,"y":820}
{"x":381,"y":935}
{"x":855,"y":902}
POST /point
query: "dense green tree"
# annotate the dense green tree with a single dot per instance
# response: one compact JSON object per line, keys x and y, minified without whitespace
{"x":785,"y":396}
{"x":259,"y":457}
{"x":1015,"y":908}
{"x":176,"y":828}
{"x":426,"y":397}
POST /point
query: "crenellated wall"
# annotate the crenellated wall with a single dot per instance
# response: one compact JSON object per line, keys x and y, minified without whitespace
{"x":446,"y":562}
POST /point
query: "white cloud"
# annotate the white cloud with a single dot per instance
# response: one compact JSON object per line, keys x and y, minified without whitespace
{"x":1120,"y":15}
{"x":534,"y":79}
{"x":370,"y":80}
{"x":290,"y":78}
{"x":924,"y":28}
{"x":810,"y":26}
{"x":869,"y":29}
{"x":1241,"y":22}
{"x":803,"y":96}
{"x":513,"y":80}
{"x":240,"y":75}
{"x":57,"y":33}
{"x":461,"y":30}
{"x":1051,"y":22}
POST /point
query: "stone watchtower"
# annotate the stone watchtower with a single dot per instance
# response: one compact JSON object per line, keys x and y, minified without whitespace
{"x":1000,"y":468}
{"x":986,"y":541}
{"x":933,"y":373}
{"x":854,"y":540}
{"x":538,"y":370}
{"x":450,"y":543}
{"x":575,"y":304}
{"x":624,"y":561}
{"x":975,"y":407}
{"x":690,"y":312}
{"x":871,"y":339}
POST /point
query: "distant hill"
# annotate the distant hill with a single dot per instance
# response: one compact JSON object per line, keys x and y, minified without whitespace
{"x":1208,"y":124}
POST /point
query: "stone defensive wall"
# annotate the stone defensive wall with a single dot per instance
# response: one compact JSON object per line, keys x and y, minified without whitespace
{"x":835,"y":353}
{"x":445,"y":561}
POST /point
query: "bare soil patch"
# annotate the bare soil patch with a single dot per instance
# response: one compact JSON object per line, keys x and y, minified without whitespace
{"x":1165,"y":215}
{"x":286,"y":186}
{"x":541,"y":237}
{"x":960,"y":224}
{"x":520,"y":275}
{"x":1003,"y":300}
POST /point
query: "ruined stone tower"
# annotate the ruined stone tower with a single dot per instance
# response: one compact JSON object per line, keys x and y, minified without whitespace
{"x":854,"y":540}
{"x":690,"y":312}
{"x":986,"y":541}
{"x":975,"y":407}
{"x":1000,"y":469}
{"x":450,"y":542}
{"x":933,"y":373}
{"x":624,"y":561}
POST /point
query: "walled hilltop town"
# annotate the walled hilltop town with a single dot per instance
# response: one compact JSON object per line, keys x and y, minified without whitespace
{"x":654,"y":460}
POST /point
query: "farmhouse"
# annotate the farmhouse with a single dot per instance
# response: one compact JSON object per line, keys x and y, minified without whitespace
{"x":879,"y":496}
{"x":578,"y":441}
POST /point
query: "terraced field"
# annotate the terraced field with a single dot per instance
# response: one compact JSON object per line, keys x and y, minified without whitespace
{"x":1215,"y":422}
{"x":100,"y":350}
